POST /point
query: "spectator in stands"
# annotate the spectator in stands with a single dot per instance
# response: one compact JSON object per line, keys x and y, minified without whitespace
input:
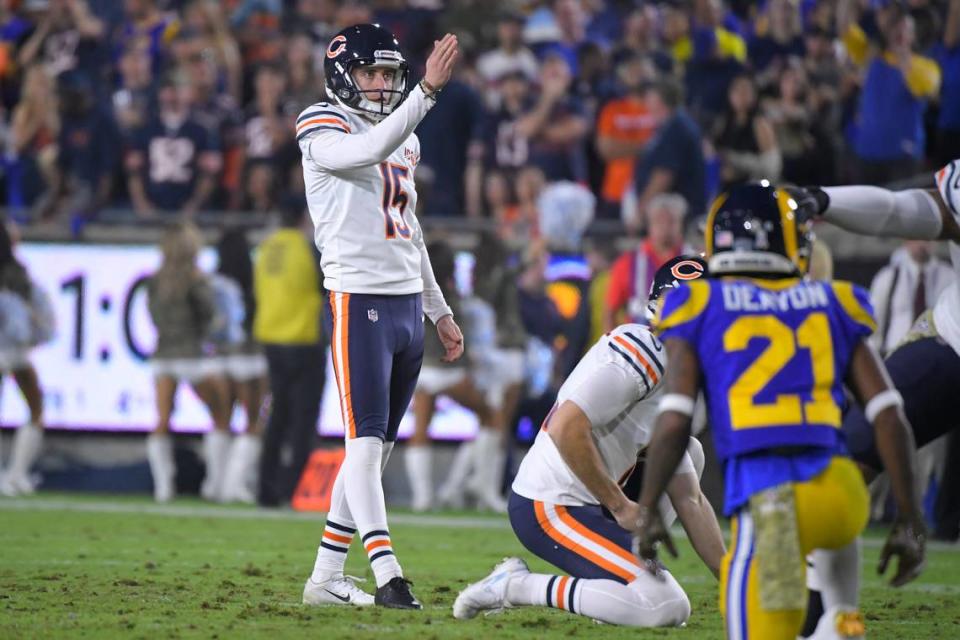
{"x":524,"y":218}
{"x":214,"y":108}
{"x":632,"y":273}
{"x":34,"y":130}
{"x":948,"y":56}
{"x":303,"y":81}
{"x":686,"y":33}
{"x":207,"y":19}
{"x":600,"y":254}
{"x":317,"y":17}
{"x":67,"y":38}
{"x":14,"y":33}
{"x":136,"y":93}
{"x":640,"y":38}
{"x":267,"y":129}
{"x":256,"y":25}
{"x":744,"y":139}
{"x":570,"y":19}
{"x":172,"y":162}
{"x":145,"y":26}
{"x":507,"y":145}
{"x":554,"y":128}
{"x":288,"y":294}
{"x":181,"y":305}
{"x":673,"y":159}
{"x":803,"y":141}
{"x":904,"y":289}
{"x":510,"y":56}
{"x":778,"y":36}
{"x":889,"y":141}
{"x":451,"y":162}
{"x":88,"y":150}
{"x":623,"y":128}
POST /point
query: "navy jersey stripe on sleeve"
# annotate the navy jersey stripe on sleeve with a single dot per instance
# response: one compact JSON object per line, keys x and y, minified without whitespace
{"x":632,"y":364}
{"x":318,"y":128}
{"x":322,"y":112}
{"x":649,"y":352}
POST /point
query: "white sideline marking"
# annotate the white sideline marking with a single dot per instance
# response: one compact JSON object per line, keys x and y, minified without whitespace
{"x":253,"y":513}
{"x":237,"y":513}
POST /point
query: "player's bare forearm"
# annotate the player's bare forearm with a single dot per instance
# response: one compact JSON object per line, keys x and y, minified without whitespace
{"x":672,"y":430}
{"x":698,"y":519}
{"x":570,"y":431}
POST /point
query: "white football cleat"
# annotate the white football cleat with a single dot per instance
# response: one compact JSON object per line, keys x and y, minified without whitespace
{"x":490,"y":594}
{"x":840,"y":623}
{"x":341,"y":590}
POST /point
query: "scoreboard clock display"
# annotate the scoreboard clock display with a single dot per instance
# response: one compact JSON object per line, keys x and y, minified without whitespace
{"x":95,"y":373}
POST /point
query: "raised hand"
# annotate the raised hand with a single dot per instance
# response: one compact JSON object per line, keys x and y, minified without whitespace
{"x":441,"y":62}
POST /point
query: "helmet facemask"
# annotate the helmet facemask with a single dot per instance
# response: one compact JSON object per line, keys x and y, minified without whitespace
{"x":375,"y":104}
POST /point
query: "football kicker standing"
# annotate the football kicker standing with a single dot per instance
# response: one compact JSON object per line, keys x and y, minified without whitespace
{"x":359,"y":156}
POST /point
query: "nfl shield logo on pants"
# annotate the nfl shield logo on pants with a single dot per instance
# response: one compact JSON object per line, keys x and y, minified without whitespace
{"x":372,"y":315}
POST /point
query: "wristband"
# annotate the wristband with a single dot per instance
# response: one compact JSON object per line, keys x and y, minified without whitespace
{"x":676,"y":402}
{"x":881,"y":401}
{"x":428,"y":89}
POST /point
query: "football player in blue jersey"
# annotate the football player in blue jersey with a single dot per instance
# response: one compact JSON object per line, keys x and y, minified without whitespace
{"x":772,"y":352}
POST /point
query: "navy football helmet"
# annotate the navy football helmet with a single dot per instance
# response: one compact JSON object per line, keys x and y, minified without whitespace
{"x":758,"y":230}
{"x":670,"y":275}
{"x":365,"y":45}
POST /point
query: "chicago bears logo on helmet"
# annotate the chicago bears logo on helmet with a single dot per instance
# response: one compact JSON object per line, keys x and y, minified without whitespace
{"x":670,"y":275}
{"x":337,"y":46}
{"x":687,"y":269}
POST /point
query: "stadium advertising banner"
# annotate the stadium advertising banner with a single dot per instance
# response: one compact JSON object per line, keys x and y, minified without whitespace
{"x":95,"y":373}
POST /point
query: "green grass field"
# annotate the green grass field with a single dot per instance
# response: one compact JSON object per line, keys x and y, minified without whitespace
{"x":107,"y":567}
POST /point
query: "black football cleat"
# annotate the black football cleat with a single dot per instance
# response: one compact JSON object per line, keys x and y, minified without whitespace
{"x":396,"y":594}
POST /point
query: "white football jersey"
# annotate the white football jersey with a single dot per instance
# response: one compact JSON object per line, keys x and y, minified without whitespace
{"x":946,"y":312}
{"x":361,"y":196}
{"x":617,"y":385}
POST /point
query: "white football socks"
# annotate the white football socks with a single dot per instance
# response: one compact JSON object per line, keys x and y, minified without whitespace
{"x":216,"y":450}
{"x":838,"y":576}
{"x":27,"y":442}
{"x":645,"y":602}
{"x":337,"y":535}
{"x":364,"y":493}
{"x":418,"y":459}
{"x":488,"y":461}
{"x":240,"y":475}
{"x":162,"y":468}
{"x":451,"y":493}
{"x":873,"y":211}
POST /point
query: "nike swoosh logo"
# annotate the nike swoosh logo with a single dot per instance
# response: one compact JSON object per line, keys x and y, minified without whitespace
{"x":340,"y":598}
{"x":658,"y":345}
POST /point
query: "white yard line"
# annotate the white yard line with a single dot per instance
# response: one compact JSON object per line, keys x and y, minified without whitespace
{"x":252,"y":513}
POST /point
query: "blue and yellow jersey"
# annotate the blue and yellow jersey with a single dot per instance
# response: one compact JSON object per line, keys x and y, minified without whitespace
{"x":773,"y":355}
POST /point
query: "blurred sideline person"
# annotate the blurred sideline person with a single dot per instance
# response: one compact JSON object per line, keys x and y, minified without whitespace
{"x":245,"y":367}
{"x":772,"y":351}
{"x":27,"y":322}
{"x":181,"y":303}
{"x":572,"y":502}
{"x":632,"y":273}
{"x":359,"y":159}
{"x":452,"y":379}
{"x":501,"y":368}
{"x":287,"y":292}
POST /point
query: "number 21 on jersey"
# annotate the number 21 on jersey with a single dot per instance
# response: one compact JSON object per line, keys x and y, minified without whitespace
{"x":395,"y":200}
{"x":812,"y":335}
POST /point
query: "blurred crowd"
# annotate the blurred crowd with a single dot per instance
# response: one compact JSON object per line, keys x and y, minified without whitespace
{"x":160,"y":106}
